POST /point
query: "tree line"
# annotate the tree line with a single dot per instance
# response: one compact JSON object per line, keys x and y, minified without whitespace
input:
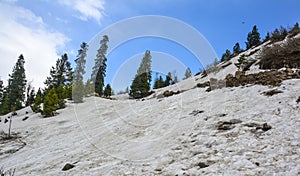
{"x":65,"y":83}
{"x":254,"y":39}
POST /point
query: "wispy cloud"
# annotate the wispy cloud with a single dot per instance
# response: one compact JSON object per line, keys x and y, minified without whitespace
{"x":22,"y":32}
{"x":87,"y":9}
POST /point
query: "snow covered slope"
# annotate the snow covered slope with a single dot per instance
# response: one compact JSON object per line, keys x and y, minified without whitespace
{"x":192,"y":133}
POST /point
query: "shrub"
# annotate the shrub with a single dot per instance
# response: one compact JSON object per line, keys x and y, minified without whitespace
{"x":281,"y":55}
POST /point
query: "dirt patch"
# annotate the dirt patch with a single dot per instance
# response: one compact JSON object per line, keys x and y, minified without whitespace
{"x":272,"y":77}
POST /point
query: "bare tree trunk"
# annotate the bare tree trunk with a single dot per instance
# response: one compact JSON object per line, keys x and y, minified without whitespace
{"x":10,"y":120}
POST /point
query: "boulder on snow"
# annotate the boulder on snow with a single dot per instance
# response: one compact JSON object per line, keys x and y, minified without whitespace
{"x":298,"y":100}
{"x":68,"y":166}
{"x":272,"y":92}
{"x":266,"y":127}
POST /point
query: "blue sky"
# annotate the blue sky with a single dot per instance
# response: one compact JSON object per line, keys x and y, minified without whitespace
{"x":43,"y":30}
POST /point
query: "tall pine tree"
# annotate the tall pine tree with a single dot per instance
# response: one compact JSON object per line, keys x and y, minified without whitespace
{"x":50,"y":103}
{"x":36,"y":107}
{"x":78,"y":86}
{"x":61,"y":80}
{"x":17,"y":85}
{"x":168,"y":79}
{"x":107,"y":91}
{"x":99,"y":69}
{"x":253,"y":38}
{"x":140,"y":86}
{"x":237,"y":49}
{"x":226,"y":55}
{"x":1,"y":96}
{"x":188,"y":73}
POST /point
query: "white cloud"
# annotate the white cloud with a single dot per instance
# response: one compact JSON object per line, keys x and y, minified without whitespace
{"x":22,"y":32}
{"x":93,"y":9}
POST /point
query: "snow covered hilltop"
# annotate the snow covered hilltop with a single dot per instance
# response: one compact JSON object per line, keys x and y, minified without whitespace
{"x":221,"y":122}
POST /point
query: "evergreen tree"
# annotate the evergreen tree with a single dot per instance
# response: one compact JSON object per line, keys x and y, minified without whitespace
{"x":1,"y":91}
{"x":159,"y":83}
{"x":107,"y":91}
{"x":1,"y":96}
{"x":60,"y":79}
{"x":78,"y":86}
{"x":268,"y":37}
{"x":99,"y":69}
{"x":141,"y":84}
{"x":276,"y":35}
{"x":30,"y":94}
{"x":295,"y":30}
{"x":253,"y":38}
{"x":168,"y":79}
{"x":17,"y":85}
{"x":237,"y":48}
{"x":50,"y":103}
{"x":127,"y":90}
{"x":226,"y":55}
{"x":62,"y":95}
{"x":5,"y":104}
{"x":187,"y":73}
{"x":36,"y":107}
{"x":89,"y":88}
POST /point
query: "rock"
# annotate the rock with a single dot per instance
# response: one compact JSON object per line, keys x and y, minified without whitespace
{"x":298,"y":100}
{"x":227,"y":125}
{"x":266,"y":127}
{"x":235,"y":121}
{"x":202,"y":165}
{"x":205,"y":84}
{"x":68,"y":166}
{"x":25,"y":118}
{"x":168,"y":93}
{"x":272,"y":92}
{"x":252,"y":125}
{"x":196,"y":112}
{"x":158,"y":169}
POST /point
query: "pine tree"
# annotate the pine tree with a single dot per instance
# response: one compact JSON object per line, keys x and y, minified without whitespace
{"x":226,"y":55}
{"x":295,"y":30}
{"x":78,"y":86}
{"x":237,"y":48}
{"x":107,"y":91}
{"x":168,"y":79}
{"x":30,"y":94}
{"x":1,"y":96}
{"x":99,"y":69}
{"x":36,"y":107}
{"x":159,"y":83}
{"x":5,"y":104}
{"x":140,"y":86}
{"x":187,"y":73}
{"x":268,"y":37}
{"x":17,"y":85}
{"x":89,"y":88}
{"x":50,"y":103}
{"x":1,"y":91}
{"x":253,"y":38}
{"x":61,"y":79}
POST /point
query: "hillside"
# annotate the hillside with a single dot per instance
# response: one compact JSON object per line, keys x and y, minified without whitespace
{"x":251,"y":129}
